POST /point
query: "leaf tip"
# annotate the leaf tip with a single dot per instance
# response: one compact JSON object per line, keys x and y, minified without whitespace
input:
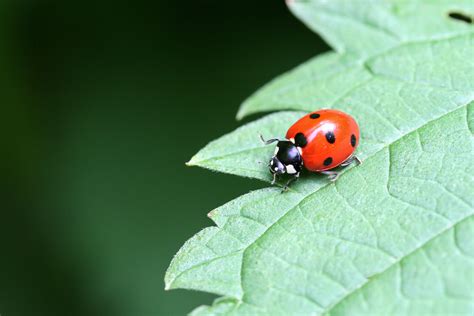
{"x":168,"y":282}
{"x":192,"y":162}
{"x":169,"y":286}
{"x":245,"y":108}
{"x":170,"y":277}
{"x":240,"y":113}
{"x":212,"y":213}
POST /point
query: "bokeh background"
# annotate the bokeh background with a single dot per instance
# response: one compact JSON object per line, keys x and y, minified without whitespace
{"x":102,"y":103}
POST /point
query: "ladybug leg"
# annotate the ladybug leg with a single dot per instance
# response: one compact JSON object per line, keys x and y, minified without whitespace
{"x":350,"y":161}
{"x":287,"y":185}
{"x":267,"y":142}
{"x":274,"y":178}
{"x":332,"y":175}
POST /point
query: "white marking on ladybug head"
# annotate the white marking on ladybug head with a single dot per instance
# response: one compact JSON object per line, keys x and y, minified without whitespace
{"x":271,"y":162}
{"x":292,"y":140}
{"x":276,"y":151}
{"x":290,"y":169}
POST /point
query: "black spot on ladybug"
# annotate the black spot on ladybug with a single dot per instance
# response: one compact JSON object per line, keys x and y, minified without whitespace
{"x":327,"y":161}
{"x":330,"y":137}
{"x":314,"y":116}
{"x":353,"y":140}
{"x":300,"y":140}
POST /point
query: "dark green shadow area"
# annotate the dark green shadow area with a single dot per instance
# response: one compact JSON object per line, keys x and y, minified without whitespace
{"x":102,"y":104}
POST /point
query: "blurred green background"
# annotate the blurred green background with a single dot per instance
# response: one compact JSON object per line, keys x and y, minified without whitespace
{"x":102,"y":103}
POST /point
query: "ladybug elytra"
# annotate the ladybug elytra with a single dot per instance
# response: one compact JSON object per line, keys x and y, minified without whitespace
{"x":319,"y":141}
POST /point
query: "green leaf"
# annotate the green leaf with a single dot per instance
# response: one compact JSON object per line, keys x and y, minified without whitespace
{"x":368,"y":38}
{"x":391,"y":236}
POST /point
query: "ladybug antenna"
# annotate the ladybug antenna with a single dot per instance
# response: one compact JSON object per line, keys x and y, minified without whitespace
{"x":267,"y":142}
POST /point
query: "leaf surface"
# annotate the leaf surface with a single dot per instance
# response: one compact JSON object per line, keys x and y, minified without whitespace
{"x":367,"y":38}
{"x":398,"y":226}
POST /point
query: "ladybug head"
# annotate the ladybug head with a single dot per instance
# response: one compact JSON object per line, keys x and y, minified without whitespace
{"x":276,"y":167}
{"x":287,"y":159}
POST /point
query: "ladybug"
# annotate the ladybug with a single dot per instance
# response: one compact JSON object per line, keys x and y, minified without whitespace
{"x":320,"y":141}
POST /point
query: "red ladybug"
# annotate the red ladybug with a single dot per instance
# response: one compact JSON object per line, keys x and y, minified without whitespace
{"x":319,"y":141}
